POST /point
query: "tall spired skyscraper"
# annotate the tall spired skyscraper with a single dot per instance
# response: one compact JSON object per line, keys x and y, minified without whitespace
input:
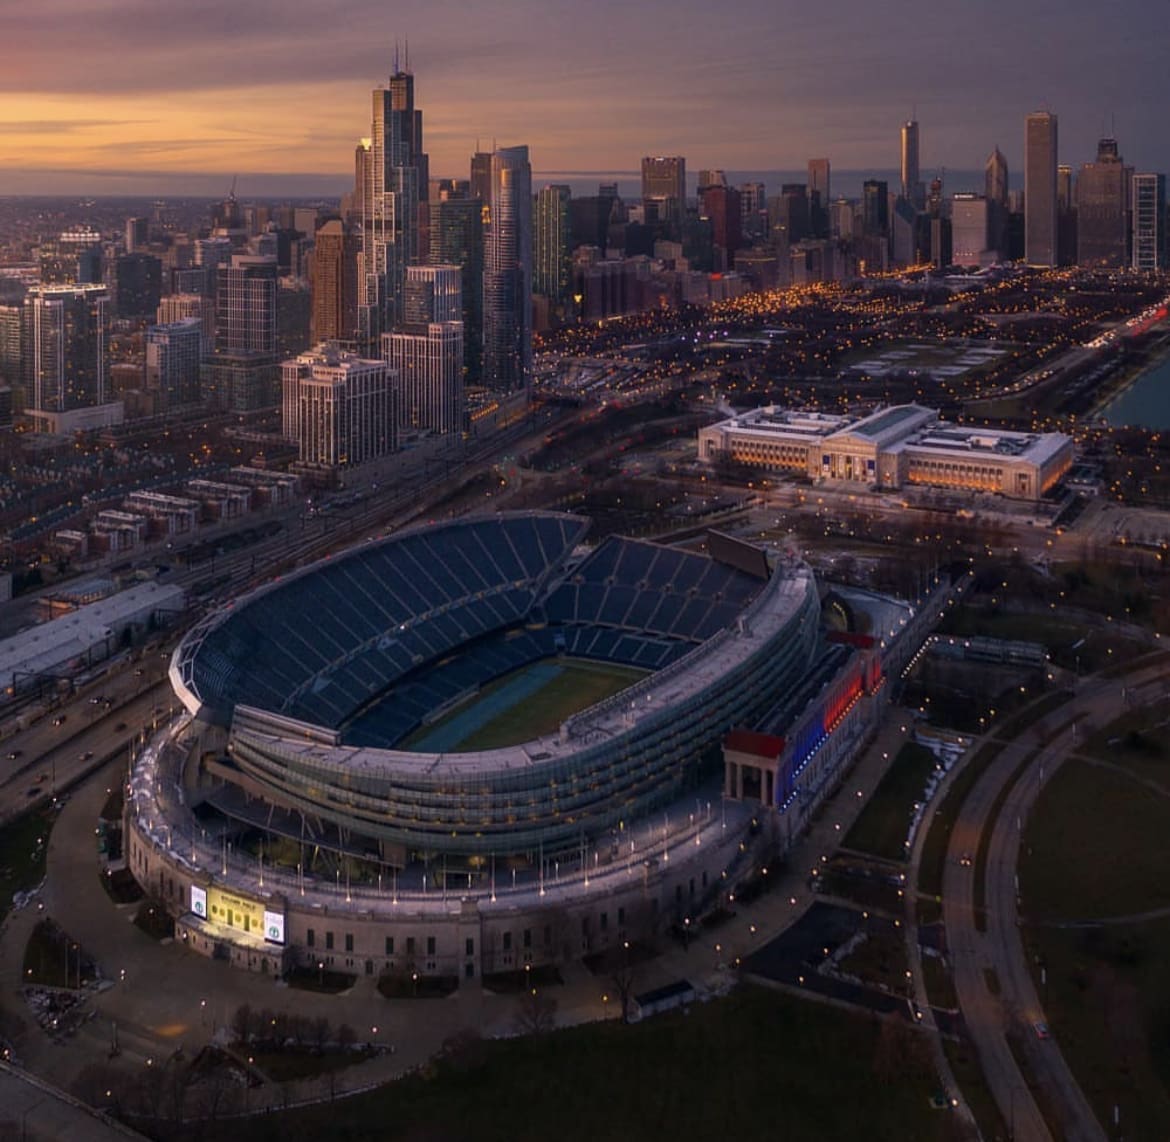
{"x":912,"y":188}
{"x":507,"y":273}
{"x":1040,"y":243}
{"x":395,"y":172}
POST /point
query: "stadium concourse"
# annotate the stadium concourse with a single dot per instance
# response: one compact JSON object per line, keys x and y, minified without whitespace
{"x":377,"y":771}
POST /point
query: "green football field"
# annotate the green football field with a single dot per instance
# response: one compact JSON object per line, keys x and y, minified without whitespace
{"x":575,"y":684}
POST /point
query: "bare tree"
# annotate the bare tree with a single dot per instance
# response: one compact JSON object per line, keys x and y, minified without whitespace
{"x":536,"y":1014}
{"x":320,"y":1034}
{"x":242,"y":1022}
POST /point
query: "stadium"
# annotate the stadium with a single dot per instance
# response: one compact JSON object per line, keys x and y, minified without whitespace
{"x":469,"y":721}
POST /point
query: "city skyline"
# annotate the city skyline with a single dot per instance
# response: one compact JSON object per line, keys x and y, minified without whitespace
{"x":274,"y":93}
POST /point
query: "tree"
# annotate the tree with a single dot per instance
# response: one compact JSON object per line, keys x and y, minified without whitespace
{"x":242,"y":1022}
{"x":320,"y":1034}
{"x":346,"y":1037}
{"x":536,"y":1014}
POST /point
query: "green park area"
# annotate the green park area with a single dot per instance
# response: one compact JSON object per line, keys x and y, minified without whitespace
{"x":1096,"y":905}
{"x":757,"y":1064}
{"x":884,"y":824}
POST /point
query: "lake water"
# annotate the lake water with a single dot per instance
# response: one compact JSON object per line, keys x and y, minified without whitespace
{"x":1146,"y":403}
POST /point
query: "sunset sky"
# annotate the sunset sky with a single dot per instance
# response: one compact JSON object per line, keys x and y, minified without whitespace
{"x":162,"y":97}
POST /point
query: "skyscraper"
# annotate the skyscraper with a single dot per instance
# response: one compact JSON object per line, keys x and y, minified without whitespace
{"x":721,"y":206}
{"x":338,"y":407}
{"x":396,"y":170}
{"x":137,"y":234}
{"x":995,"y":190}
{"x":875,"y":208}
{"x":507,"y":273}
{"x":64,"y":336}
{"x":552,"y":262}
{"x":242,"y":375}
{"x":173,"y":353}
{"x":335,"y":283}
{"x":970,"y":230}
{"x":425,"y":352}
{"x":1149,"y":222}
{"x":1040,"y":224}
{"x":995,"y":179}
{"x":481,"y":175}
{"x":912,"y":188}
{"x":137,"y":285}
{"x":1103,"y":209}
{"x":664,"y":193}
{"x":818,"y":197}
{"x":456,"y":238}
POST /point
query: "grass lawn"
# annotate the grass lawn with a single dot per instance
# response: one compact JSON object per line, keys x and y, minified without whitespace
{"x":1137,"y":741}
{"x":1095,"y":649}
{"x":1107,"y":1001}
{"x":964,"y":1060}
{"x":578,"y":685}
{"x":1097,"y":845}
{"x":22,"y":855}
{"x":884,"y":823}
{"x":758,"y":1064}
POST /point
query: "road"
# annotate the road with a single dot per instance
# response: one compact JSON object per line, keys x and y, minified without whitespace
{"x":52,"y":758}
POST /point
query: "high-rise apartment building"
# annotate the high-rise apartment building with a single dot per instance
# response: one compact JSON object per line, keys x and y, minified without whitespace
{"x":1040,"y":218}
{"x":1103,"y":209}
{"x":64,"y":335}
{"x":334,"y":281}
{"x":173,"y":355}
{"x":912,"y":187}
{"x":507,"y":273}
{"x":396,"y":172}
{"x":428,"y":362}
{"x":338,"y":407}
{"x":1149,"y":222}
{"x":552,"y":246}
{"x":664,"y":193}
{"x":243,"y":372}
